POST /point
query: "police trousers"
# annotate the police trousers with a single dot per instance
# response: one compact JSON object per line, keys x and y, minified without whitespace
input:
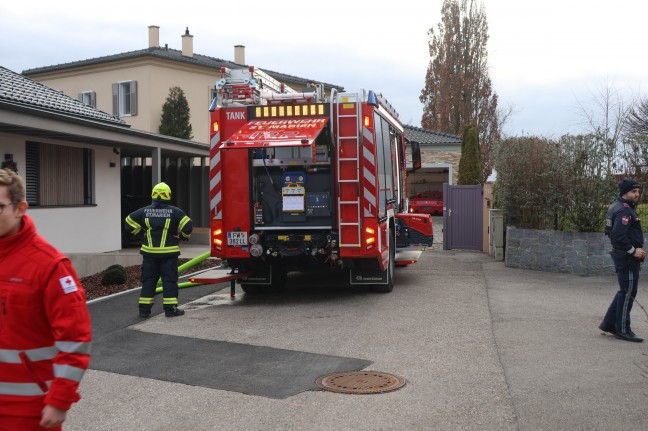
{"x":618,"y":313}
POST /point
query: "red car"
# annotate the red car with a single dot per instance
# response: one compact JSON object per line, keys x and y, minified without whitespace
{"x":427,"y":202}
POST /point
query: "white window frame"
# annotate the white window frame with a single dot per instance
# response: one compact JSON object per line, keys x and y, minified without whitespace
{"x":125,"y":98}
{"x":88,"y":98}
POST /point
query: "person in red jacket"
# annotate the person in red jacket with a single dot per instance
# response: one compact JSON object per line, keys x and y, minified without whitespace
{"x":45,"y":332}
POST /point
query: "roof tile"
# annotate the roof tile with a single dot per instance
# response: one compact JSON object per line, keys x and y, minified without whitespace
{"x":20,"y":90}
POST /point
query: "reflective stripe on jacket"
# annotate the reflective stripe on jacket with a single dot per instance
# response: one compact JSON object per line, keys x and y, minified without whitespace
{"x":162,"y":224}
{"x":45,"y":330}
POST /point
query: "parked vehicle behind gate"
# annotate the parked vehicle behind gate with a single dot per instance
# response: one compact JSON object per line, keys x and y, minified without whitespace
{"x":427,"y":203}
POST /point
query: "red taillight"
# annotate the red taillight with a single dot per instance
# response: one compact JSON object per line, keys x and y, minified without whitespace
{"x":216,"y":237}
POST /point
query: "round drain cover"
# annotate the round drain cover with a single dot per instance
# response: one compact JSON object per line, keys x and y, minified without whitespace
{"x":360,"y":382}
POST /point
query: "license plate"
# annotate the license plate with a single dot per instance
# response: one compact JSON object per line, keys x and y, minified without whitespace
{"x":237,"y":238}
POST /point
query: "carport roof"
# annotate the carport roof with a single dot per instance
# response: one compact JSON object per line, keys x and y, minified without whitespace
{"x":429,"y":137}
{"x":33,"y":109}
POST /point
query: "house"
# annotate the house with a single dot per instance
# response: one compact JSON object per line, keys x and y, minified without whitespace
{"x":440,"y":154}
{"x":134,"y":85}
{"x":70,"y":155}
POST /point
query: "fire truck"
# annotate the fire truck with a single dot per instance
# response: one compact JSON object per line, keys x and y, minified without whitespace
{"x":301,"y":180}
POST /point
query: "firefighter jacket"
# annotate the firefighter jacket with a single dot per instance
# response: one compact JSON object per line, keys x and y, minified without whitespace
{"x":163,"y":226}
{"x":44,"y":326}
{"x":623,"y":226}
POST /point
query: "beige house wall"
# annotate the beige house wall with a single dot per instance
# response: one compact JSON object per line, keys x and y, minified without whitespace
{"x":154,"y":79}
{"x":431,"y":156}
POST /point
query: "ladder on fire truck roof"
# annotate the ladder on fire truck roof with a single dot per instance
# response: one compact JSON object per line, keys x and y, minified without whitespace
{"x":248,"y":86}
{"x":347,"y":134}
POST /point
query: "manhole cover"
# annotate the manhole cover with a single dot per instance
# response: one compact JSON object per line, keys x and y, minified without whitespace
{"x":360,"y":382}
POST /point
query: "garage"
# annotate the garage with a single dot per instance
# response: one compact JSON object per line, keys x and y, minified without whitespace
{"x":440,"y":154}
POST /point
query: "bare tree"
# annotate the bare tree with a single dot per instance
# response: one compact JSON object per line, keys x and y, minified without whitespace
{"x":606,"y":113}
{"x":458,"y":89}
{"x":636,"y":141}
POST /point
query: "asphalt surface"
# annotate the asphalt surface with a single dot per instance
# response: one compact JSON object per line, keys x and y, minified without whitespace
{"x":481,"y":346}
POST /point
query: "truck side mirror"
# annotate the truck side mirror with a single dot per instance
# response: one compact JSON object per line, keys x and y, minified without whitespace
{"x":416,"y":155}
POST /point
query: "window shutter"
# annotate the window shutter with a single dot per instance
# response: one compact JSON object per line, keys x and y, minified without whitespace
{"x":133,"y":97}
{"x":32,"y":172}
{"x":115,"y":97}
{"x":93,"y":99}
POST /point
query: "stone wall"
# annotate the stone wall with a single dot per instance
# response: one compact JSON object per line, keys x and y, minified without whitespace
{"x":582,"y":253}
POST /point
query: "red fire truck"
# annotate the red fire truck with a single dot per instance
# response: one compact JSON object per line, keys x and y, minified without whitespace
{"x":302,"y":180}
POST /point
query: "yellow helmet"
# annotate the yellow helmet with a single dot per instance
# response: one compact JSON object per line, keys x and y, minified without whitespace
{"x":161,"y":191}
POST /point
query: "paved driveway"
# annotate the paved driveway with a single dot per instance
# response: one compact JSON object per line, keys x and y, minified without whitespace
{"x":482,"y":347}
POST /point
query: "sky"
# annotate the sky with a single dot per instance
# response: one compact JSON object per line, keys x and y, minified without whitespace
{"x":548,"y":59}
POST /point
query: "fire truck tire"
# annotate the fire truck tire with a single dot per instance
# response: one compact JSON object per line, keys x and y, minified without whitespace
{"x":389,"y":286}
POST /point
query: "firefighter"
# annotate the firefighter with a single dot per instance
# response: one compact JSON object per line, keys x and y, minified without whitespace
{"x":624,"y":229}
{"x":163,"y":226}
{"x":45,"y":332}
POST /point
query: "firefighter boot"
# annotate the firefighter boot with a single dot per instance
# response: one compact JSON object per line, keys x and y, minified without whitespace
{"x":173,"y":312}
{"x":144,"y":311}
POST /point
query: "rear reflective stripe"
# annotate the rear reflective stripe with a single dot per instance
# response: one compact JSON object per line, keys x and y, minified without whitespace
{"x":170,"y":301}
{"x":74,"y":347}
{"x":170,"y":249}
{"x":22,"y":389}
{"x":68,"y":372}
{"x":148,"y":233}
{"x":41,"y":354}
{"x":165,"y":232}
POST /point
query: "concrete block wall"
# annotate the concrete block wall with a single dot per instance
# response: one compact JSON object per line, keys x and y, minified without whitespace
{"x":582,"y":253}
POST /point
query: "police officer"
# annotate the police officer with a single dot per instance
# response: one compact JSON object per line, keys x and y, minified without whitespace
{"x":623,"y":227}
{"x":164,"y":226}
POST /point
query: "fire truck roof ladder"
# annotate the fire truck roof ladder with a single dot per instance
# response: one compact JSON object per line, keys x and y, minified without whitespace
{"x":247,"y":86}
{"x":348,"y":168}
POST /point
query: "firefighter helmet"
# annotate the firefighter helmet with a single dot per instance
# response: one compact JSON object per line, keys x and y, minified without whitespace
{"x":161,"y":191}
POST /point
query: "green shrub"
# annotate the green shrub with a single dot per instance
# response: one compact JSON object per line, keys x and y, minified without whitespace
{"x":114,"y":274}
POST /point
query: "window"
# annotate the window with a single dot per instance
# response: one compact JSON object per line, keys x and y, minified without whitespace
{"x":124,"y":98}
{"x":57,"y":175}
{"x":88,"y":98}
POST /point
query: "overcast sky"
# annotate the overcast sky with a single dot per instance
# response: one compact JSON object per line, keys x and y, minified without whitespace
{"x":544,"y":55}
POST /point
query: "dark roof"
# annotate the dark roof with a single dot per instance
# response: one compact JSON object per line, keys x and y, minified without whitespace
{"x":18,"y":90}
{"x":173,"y":55}
{"x":429,"y":137}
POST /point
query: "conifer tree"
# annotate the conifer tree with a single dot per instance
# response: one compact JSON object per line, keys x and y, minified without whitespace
{"x":470,"y":164}
{"x":175,"y":120}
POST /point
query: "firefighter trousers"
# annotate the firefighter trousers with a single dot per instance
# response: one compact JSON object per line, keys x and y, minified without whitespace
{"x":154,"y":268}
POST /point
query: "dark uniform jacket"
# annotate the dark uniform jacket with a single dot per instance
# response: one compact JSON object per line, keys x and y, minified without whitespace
{"x":163,"y":226}
{"x":623,"y":226}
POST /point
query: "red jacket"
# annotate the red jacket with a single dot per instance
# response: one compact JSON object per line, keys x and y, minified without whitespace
{"x":44,"y":326}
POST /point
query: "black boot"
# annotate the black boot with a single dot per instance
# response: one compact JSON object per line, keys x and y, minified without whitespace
{"x":144,"y":312}
{"x":173,"y":312}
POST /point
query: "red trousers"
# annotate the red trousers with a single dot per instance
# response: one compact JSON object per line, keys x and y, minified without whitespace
{"x":23,"y":423}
